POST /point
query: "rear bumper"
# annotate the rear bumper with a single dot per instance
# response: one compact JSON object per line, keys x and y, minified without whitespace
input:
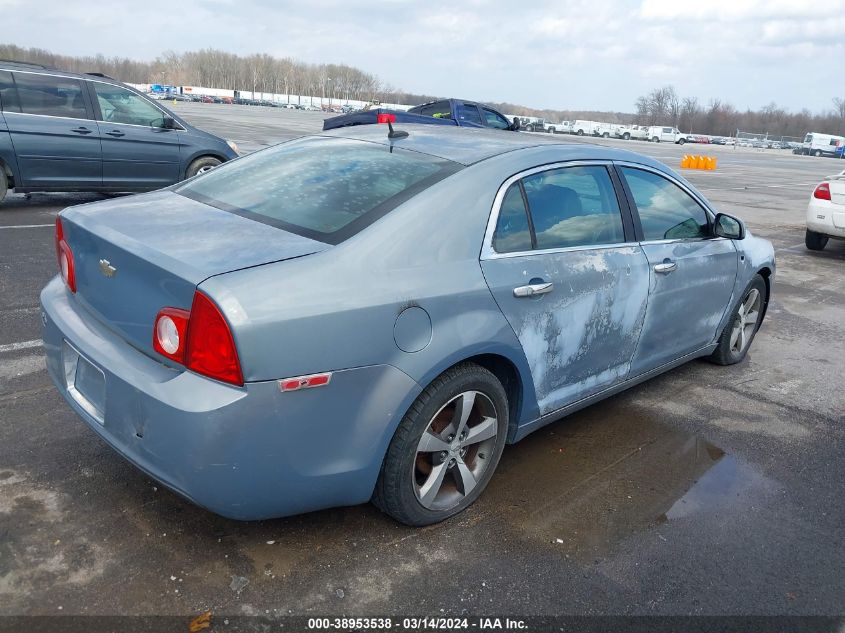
{"x":244,"y":453}
{"x":826,"y":218}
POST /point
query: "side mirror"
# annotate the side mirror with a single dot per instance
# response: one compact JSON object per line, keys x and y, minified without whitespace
{"x":168,"y":123}
{"x":514,"y":127}
{"x":729,"y":227}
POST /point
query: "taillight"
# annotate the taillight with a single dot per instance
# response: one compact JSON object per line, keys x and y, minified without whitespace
{"x":200,"y":340}
{"x":64,"y":257}
{"x":822,"y":192}
{"x":385,"y":117}
{"x":170,"y":333}
{"x":211,"y":349}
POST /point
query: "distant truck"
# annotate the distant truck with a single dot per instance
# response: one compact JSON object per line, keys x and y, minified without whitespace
{"x":606,"y":130}
{"x":585,"y":128}
{"x":628,"y":132}
{"x":816,"y":144}
{"x":564,"y":127}
{"x":444,"y":112}
{"x":664,"y":134}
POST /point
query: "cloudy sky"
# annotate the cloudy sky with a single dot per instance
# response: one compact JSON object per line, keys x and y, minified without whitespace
{"x":567,"y":54}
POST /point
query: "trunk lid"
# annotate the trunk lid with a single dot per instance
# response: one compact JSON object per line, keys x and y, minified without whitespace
{"x":837,"y":189}
{"x":161,"y":246}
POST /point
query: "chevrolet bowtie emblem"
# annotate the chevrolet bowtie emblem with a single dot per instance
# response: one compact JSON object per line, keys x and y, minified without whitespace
{"x":107,"y":269}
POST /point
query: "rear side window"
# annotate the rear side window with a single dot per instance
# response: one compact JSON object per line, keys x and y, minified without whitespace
{"x":8,"y":94}
{"x":468,"y":113}
{"x":439,"y":110}
{"x":666,"y":211}
{"x":574,"y":206}
{"x":326,"y":189}
{"x":50,"y":95}
{"x":512,"y":232}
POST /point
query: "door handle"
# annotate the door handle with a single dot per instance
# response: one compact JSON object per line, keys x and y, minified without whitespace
{"x":81,"y":130}
{"x":666,"y":267}
{"x":116,"y":133}
{"x":532,"y":290}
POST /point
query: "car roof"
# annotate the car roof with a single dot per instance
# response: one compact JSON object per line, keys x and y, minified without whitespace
{"x":6,"y":64}
{"x":467,"y":146}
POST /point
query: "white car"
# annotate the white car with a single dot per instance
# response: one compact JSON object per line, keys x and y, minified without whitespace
{"x":826,"y":212}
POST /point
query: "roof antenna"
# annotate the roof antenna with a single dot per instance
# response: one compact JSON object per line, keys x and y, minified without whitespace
{"x":393,"y":133}
{"x":389,"y":118}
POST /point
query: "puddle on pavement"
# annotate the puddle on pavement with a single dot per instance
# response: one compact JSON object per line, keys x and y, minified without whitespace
{"x":608,"y":472}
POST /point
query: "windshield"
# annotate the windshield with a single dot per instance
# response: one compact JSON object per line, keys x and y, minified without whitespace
{"x":323,"y":188}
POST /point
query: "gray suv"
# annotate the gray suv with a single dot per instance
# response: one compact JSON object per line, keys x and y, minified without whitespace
{"x":63,"y":131}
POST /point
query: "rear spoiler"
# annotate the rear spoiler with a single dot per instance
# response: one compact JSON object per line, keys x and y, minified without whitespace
{"x":370,"y":117}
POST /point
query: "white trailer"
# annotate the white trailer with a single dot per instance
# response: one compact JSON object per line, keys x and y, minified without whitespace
{"x":816,"y":144}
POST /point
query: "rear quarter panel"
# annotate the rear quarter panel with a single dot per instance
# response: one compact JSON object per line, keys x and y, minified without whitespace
{"x":7,"y":151}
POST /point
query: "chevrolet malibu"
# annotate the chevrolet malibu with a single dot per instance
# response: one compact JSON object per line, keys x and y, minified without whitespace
{"x":369,"y":316}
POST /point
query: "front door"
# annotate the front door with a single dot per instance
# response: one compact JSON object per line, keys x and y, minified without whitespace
{"x":692,"y":274}
{"x":138,"y":152}
{"x":54,"y":137}
{"x":566,"y":272}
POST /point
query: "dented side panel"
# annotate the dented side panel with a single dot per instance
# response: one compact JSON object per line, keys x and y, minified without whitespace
{"x":686,"y":305}
{"x":580,"y":337}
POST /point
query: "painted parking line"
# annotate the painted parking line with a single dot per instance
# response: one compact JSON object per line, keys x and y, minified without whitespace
{"x":27,"y":226}
{"x":13,"y":347}
{"x":771,"y":186}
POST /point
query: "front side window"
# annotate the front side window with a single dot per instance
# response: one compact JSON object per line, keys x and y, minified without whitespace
{"x":666,"y":211}
{"x":327,"y":189}
{"x":118,"y":105}
{"x":574,"y":206}
{"x":495,"y":120}
{"x":50,"y":96}
{"x":512,"y":232}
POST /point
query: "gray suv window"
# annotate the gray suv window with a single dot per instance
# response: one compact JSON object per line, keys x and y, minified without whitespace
{"x":50,"y":95}
{"x":574,"y":206}
{"x":118,"y":105}
{"x":8,"y":94}
{"x":666,"y":211}
{"x":512,"y":231}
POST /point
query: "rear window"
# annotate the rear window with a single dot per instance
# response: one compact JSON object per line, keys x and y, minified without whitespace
{"x":324,"y":189}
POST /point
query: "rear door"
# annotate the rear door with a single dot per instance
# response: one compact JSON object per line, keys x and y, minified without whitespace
{"x":691,"y":273}
{"x":569,"y":277}
{"x":138,"y":152}
{"x":51,"y":127}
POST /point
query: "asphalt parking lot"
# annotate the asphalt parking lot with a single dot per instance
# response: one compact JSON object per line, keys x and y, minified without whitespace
{"x":708,"y":490}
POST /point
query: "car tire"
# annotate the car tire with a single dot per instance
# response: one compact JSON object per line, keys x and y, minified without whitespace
{"x":654,"y":139}
{"x":606,"y":135}
{"x":4,"y":184}
{"x":740,"y":329}
{"x":681,"y":141}
{"x":580,"y":132}
{"x":551,"y":130}
{"x":202,"y":165}
{"x":817,"y":153}
{"x":812,"y":240}
{"x":420,"y":483}
{"x":626,"y":136}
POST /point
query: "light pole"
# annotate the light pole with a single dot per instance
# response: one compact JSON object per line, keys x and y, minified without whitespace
{"x":329,"y":79}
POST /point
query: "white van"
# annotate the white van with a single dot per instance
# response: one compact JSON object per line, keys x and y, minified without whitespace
{"x":584,"y":128}
{"x":816,"y":144}
{"x":661,"y":133}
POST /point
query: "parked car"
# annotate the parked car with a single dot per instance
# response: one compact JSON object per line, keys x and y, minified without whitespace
{"x":564,"y":127}
{"x":298,"y":371}
{"x":313,"y":108}
{"x":445,"y":112}
{"x":62,"y":131}
{"x":628,"y":132}
{"x":826,"y":212}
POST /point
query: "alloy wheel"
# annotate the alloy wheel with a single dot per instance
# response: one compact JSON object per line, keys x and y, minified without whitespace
{"x":745,"y":321}
{"x":455,"y":450}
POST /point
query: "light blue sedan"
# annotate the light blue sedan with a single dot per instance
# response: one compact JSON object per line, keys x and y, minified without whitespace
{"x":356,"y":316}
